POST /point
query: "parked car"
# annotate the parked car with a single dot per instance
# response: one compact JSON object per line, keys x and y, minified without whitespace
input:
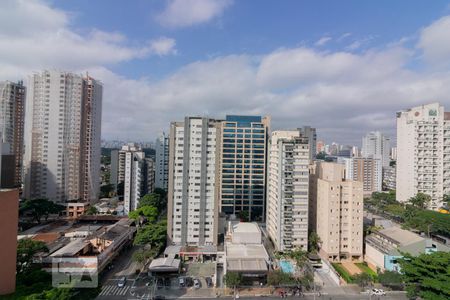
{"x":378,"y":292}
{"x":209,"y":281}
{"x":196,"y":283}
{"x":122,"y":281}
{"x":181,"y":282}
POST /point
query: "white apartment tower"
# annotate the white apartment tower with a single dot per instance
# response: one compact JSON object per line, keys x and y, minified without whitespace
{"x":162,"y":161}
{"x":62,"y":137}
{"x":12,"y":115}
{"x":376,"y":145}
{"x":133,"y":176}
{"x":192,"y":197}
{"x":287,"y":194}
{"x":423,"y":153}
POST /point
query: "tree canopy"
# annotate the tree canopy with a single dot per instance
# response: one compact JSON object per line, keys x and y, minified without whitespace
{"x":26,"y":249}
{"x":39,"y":208}
{"x":420,"y":200}
{"x":149,"y":212}
{"x":153,"y":234}
{"x":427,"y":275}
{"x":362,"y":279}
{"x":278,"y":277}
{"x":391,"y":279}
{"x":314,"y":241}
{"x":233,"y":279}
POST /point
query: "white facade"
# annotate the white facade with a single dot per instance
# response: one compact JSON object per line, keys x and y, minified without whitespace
{"x":162,"y":161}
{"x":134,"y":178}
{"x":62,"y":137}
{"x":376,"y":145}
{"x":192,"y":202}
{"x":423,"y":153}
{"x":287,"y":195}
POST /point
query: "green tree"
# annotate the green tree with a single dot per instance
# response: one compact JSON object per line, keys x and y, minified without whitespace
{"x":151,"y":200}
{"x":427,"y":275}
{"x":106,"y":190}
{"x":233,"y":279}
{"x":148,"y":212}
{"x":420,"y":201}
{"x":92,"y":210}
{"x":321,"y":155}
{"x":391,"y":279}
{"x":314,"y":241}
{"x":153,"y":234}
{"x":39,"y":208}
{"x":446,"y":200}
{"x":363,"y":279}
{"x":26,"y":249}
{"x":244,"y":216}
{"x":278,"y":277}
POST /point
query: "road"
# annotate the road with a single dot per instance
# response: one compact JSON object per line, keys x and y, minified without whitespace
{"x":327,"y":297}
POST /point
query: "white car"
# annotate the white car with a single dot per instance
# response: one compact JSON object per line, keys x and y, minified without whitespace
{"x":196,"y":283}
{"x":122,"y":282}
{"x":377,"y":292}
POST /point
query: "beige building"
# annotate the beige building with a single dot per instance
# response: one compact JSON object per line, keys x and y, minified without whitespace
{"x":336,"y":212}
{"x":62,"y":137}
{"x":287,"y":191}
{"x":369,"y":171}
{"x":423,"y":153}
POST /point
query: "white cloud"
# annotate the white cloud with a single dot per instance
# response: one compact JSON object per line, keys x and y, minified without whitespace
{"x":43,"y":38}
{"x":435,"y":42}
{"x":343,"y":94}
{"x":163,"y":46}
{"x":322,"y":41}
{"x":184,"y":13}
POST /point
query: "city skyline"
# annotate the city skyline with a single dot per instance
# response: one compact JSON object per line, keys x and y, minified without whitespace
{"x":344,"y":71}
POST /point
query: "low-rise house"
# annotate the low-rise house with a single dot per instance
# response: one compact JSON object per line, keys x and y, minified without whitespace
{"x":385,"y":247}
{"x":244,"y":251}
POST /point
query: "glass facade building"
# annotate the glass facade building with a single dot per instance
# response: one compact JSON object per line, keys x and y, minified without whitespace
{"x":243,"y":165}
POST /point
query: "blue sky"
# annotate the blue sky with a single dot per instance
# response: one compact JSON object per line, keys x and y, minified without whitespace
{"x":254,"y":27}
{"x":344,"y":67}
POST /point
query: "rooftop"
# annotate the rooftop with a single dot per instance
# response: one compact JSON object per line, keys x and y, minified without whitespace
{"x":247,"y":265}
{"x":72,"y":248}
{"x":246,"y":227}
{"x":250,"y":251}
{"x":167,"y":264}
{"x":400,"y":236}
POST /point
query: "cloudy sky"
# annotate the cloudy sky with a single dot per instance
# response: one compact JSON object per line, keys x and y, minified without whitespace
{"x":344,"y":67}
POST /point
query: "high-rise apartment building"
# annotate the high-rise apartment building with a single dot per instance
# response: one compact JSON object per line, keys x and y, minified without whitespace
{"x":137,"y":173}
{"x":389,"y":178}
{"x":193,"y":209}
{"x":287,"y":192}
{"x":320,"y":147}
{"x":366,"y":170}
{"x":12,"y":118}
{"x":310,"y":133}
{"x":243,"y":148}
{"x":376,"y":145}
{"x":162,"y":161}
{"x":423,"y":153}
{"x":336,"y":212}
{"x":62,"y":137}
{"x":133,"y":176}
